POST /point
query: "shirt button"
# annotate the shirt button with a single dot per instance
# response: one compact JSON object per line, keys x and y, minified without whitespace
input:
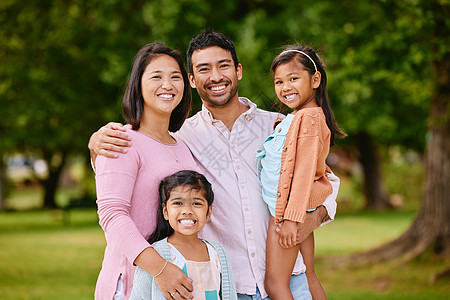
{"x":253,"y":254}
{"x":249,"y":232}
{"x":246,"y":209}
{"x":234,"y":146}
{"x":237,"y":167}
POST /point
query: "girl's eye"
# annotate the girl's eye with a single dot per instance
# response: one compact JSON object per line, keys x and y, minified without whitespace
{"x":278,"y":82}
{"x":177,"y":203}
{"x":294,"y":78}
{"x":198,"y":203}
{"x":176,"y":77}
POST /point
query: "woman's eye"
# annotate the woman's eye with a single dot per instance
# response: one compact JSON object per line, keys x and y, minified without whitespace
{"x":294,"y":78}
{"x":156,"y":77}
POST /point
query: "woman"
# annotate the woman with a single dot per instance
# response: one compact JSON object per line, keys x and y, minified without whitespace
{"x":156,"y":102}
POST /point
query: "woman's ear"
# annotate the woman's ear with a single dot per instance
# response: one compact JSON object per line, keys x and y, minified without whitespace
{"x":165,"y":214}
{"x":316,"y":78}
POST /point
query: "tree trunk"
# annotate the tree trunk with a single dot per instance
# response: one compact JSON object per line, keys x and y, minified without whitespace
{"x":374,"y":192}
{"x":3,"y":183}
{"x":431,"y":228}
{"x":55,"y":162}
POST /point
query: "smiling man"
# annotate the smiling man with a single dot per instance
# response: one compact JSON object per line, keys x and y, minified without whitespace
{"x":223,"y":138}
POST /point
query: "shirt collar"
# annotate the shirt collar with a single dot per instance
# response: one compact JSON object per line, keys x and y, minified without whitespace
{"x":248,"y":115}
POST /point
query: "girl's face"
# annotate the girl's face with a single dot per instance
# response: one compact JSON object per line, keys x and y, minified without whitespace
{"x":294,"y":86}
{"x":162,"y":85}
{"x":186,"y":210}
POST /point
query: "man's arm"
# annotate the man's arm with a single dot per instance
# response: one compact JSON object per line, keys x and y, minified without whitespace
{"x":107,"y":140}
{"x":322,"y":215}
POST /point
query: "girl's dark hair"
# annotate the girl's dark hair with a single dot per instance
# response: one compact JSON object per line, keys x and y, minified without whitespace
{"x":133,"y":101}
{"x":208,"y":38}
{"x":192,"y":179}
{"x":321,"y":93}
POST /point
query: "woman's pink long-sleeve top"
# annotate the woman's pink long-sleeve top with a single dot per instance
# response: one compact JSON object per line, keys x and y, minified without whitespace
{"x":127,"y":199}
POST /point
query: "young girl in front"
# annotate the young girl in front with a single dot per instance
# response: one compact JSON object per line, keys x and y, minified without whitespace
{"x":292,"y":167}
{"x":185,"y":203}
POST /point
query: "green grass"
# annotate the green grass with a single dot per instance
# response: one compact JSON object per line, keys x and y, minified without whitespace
{"x":42,"y":256}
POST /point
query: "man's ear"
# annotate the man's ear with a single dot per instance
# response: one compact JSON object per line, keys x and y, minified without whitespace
{"x":316,"y":78}
{"x":165,"y":214}
{"x":192,"y":81}
{"x":239,"y":71}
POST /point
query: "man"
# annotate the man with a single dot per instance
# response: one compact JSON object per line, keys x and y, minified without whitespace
{"x":223,"y":138}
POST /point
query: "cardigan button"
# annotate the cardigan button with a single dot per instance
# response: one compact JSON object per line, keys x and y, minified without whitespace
{"x":280,"y":219}
{"x":291,"y":175}
{"x":305,"y":130}
{"x":284,"y":148}
{"x":278,"y":194}
{"x":285,"y":186}
{"x":289,"y":158}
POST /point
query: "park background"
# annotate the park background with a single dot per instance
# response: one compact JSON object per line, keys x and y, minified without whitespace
{"x":63,"y":68}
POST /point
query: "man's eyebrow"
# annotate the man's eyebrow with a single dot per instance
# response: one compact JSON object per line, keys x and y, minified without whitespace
{"x":208,"y":64}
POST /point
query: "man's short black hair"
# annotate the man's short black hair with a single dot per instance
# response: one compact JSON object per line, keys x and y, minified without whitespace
{"x":208,"y":38}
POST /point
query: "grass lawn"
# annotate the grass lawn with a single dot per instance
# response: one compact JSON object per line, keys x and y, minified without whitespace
{"x":44,"y":257}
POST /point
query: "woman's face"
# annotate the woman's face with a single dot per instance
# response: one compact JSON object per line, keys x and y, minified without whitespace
{"x":162,"y":85}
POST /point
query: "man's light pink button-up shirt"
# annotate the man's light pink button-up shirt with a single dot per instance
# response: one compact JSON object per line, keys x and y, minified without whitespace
{"x":240,"y":217}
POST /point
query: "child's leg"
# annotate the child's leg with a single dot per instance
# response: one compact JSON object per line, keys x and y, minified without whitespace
{"x":279,"y":265}
{"x":307,"y":250}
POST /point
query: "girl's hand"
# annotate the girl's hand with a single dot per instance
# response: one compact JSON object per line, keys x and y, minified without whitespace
{"x":173,"y":281}
{"x":110,"y":137}
{"x":288,"y":234}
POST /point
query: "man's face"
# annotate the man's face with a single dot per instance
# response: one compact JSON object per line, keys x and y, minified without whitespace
{"x":215,"y":76}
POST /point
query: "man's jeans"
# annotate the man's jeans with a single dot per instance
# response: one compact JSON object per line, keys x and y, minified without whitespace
{"x":299,"y":290}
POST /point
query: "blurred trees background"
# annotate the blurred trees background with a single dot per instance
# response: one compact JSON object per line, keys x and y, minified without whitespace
{"x":64,"y":65}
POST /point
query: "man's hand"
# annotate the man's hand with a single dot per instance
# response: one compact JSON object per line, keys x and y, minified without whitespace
{"x":311,"y":223}
{"x":107,"y":140}
{"x":287,"y":234}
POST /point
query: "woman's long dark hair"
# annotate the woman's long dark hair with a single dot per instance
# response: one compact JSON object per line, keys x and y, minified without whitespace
{"x":321,"y":94}
{"x":192,"y":179}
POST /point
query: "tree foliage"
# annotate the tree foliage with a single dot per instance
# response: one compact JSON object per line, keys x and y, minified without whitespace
{"x":65,"y":63}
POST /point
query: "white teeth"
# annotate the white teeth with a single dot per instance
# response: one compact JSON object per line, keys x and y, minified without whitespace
{"x":217,"y":88}
{"x":290,"y":97}
{"x":187,"y":222}
{"x":166,"y":96}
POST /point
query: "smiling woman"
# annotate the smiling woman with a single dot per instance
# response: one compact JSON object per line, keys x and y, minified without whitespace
{"x":156,"y":102}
